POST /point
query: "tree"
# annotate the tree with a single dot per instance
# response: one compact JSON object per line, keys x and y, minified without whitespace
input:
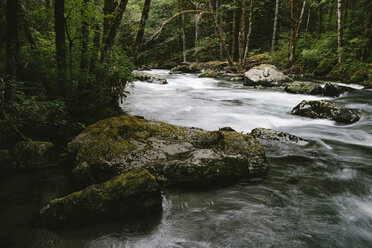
{"x":141,"y":30}
{"x":275,"y":28}
{"x":234,"y":27}
{"x":249,"y":32}
{"x":12,"y":48}
{"x":339,"y":30}
{"x":197,"y":20}
{"x":183,"y":30}
{"x":84,"y":37}
{"x":59,"y":27}
{"x":242,"y":34}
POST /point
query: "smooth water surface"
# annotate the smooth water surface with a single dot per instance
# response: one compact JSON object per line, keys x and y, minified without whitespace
{"x":319,"y":195}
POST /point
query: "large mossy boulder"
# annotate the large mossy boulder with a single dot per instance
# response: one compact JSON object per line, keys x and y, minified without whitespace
{"x":273,"y":135}
{"x":256,"y":60}
{"x":150,"y":78}
{"x":131,"y":194}
{"x":265,"y":75}
{"x":176,"y":155}
{"x":335,"y":90}
{"x":326,"y":110}
{"x":34,"y":154}
{"x":306,"y":88}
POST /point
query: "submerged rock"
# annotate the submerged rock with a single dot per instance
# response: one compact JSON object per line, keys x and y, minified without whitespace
{"x":270,"y":134}
{"x":306,"y":88}
{"x":266,"y":75}
{"x":34,"y":154}
{"x":335,"y":90}
{"x":185,"y":68}
{"x":326,"y":110}
{"x":135,"y":193}
{"x":150,"y":78}
{"x":176,"y":155}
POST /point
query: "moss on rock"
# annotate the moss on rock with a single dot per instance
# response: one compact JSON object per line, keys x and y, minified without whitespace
{"x":306,"y":88}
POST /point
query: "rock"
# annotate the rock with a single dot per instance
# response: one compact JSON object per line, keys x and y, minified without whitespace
{"x":233,"y":76}
{"x":335,"y":90}
{"x":116,"y":145}
{"x":150,"y":78}
{"x":34,"y":154}
{"x":266,"y":75}
{"x":135,"y":193}
{"x":208,"y":73}
{"x":270,"y":134}
{"x":326,"y":110}
{"x":256,"y":60}
{"x":185,"y":68}
{"x":144,"y":68}
{"x":306,"y":88}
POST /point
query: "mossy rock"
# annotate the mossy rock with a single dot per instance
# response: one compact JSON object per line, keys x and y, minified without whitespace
{"x":210,"y":74}
{"x":326,"y":110}
{"x":256,"y":60}
{"x":335,"y":90}
{"x":131,"y":194}
{"x":34,"y":154}
{"x":273,"y":135}
{"x":150,"y":78}
{"x":116,"y":145}
{"x":306,"y":88}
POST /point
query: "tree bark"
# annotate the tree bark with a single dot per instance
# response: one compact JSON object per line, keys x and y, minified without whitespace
{"x":292,"y":46}
{"x":27,"y":25}
{"x":59,"y":26}
{"x":242,"y":34}
{"x":96,"y":48}
{"x":330,"y":10}
{"x":183,"y":29}
{"x":367,"y":35}
{"x":346,"y":12}
{"x":308,"y":18}
{"x":320,"y":19}
{"x":218,"y":31}
{"x":233,"y":45}
{"x":339,"y":30}
{"x":141,"y":30}
{"x":84,"y":38}
{"x":12,"y":50}
{"x":108,"y":11}
{"x":219,"y":19}
{"x":109,"y":41}
{"x":300,"y":19}
{"x":197,"y":19}
{"x":275,"y":28}
{"x":249,"y":32}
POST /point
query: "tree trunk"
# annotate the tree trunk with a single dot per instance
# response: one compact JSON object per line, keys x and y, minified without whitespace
{"x":197,"y":19}
{"x":242,"y":34}
{"x":233,"y":45}
{"x":308,"y":18}
{"x":108,"y":10}
{"x":339,"y":30}
{"x":96,"y":47}
{"x":141,"y":30}
{"x":109,"y":41}
{"x":275,"y":28}
{"x":249,"y":32}
{"x":330,"y":10}
{"x":183,"y":29}
{"x":219,"y":19}
{"x":320,"y":19}
{"x":27,"y":25}
{"x":219,"y":34}
{"x":59,"y":26}
{"x":84,"y":38}
{"x":346,"y":12}
{"x":300,"y":19}
{"x":292,"y":46}
{"x":367,"y":35}
{"x":12,"y":48}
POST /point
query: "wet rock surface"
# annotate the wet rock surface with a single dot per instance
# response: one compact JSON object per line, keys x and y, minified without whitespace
{"x":335,"y":90}
{"x":266,"y":75}
{"x":306,"y":88}
{"x":326,"y":110}
{"x":273,"y":135}
{"x":150,"y":78}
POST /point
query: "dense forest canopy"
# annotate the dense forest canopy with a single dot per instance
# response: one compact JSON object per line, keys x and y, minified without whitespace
{"x":79,"y":54}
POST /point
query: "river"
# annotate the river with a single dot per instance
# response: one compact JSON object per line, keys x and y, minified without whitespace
{"x":318,"y":195}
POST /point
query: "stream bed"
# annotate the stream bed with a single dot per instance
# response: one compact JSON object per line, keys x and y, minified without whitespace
{"x":319,"y":195}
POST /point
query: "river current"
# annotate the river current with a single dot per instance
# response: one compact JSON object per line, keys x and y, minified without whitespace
{"x":318,"y":195}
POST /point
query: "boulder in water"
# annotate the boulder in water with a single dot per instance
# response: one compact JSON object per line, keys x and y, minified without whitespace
{"x":150,"y":78}
{"x":266,"y":75}
{"x":326,"y":110}
{"x":306,"y":88}
{"x":176,"y":155}
{"x":335,"y":90}
{"x":135,"y":193}
{"x":185,"y":68}
{"x":270,"y":134}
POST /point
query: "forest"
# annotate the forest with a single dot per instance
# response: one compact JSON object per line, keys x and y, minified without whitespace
{"x":80,"y":81}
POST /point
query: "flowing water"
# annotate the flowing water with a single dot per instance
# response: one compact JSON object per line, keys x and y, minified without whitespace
{"x":318,"y":195}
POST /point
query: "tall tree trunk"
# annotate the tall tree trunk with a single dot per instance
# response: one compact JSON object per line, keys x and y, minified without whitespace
{"x":219,"y":34}
{"x":346,"y":12}
{"x":96,"y":48}
{"x":197,"y":19}
{"x":339,"y":30}
{"x":12,"y":48}
{"x":219,"y":19}
{"x":330,"y":10}
{"x":320,"y":19}
{"x":292,"y":47}
{"x":249,"y":32}
{"x":141,"y":30}
{"x":108,"y":11}
{"x":109,"y":41}
{"x":84,"y":37}
{"x":27,"y":25}
{"x":367,"y":35}
{"x":300,"y":19}
{"x":275,"y":28}
{"x":183,"y":29}
{"x":59,"y":26}
{"x":308,"y":18}
{"x":233,"y":45}
{"x":242,"y":34}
